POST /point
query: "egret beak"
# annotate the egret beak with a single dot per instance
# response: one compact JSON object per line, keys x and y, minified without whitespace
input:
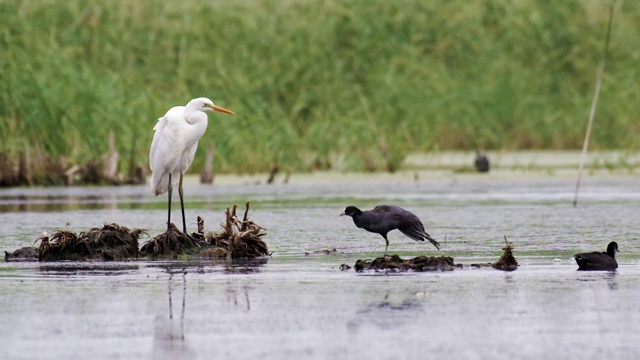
{"x":221,"y":109}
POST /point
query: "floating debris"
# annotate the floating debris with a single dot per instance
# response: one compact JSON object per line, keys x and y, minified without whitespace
{"x":321,"y":252}
{"x":507,"y":261}
{"x":420,"y":263}
{"x":111,"y":242}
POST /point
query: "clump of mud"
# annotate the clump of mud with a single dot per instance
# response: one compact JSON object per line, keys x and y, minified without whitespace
{"x":171,"y":243}
{"x":507,"y":261}
{"x":27,"y":253}
{"x":396,"y":263}
{"x":111,"y":242}
{"x":239,"y":239}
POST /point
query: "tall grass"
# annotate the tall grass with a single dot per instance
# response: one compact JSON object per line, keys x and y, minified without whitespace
{"x":344,"y":84}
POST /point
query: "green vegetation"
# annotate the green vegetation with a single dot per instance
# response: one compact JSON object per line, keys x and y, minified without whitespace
{"x":315,"y":84}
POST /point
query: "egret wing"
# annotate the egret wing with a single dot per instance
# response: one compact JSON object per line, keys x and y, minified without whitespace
{"x":159,"y":142}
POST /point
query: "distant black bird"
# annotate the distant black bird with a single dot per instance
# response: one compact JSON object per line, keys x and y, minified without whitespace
{"x":481,"y":162}
{"x":599,"y":260}
{"x":384,"y":218}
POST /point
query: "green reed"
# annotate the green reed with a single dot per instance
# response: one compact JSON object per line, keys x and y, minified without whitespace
{"x":346,"y":84}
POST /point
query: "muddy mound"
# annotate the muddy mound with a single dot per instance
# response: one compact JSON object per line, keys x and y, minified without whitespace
{"x":239,"y":239}
{"x":28,"y":253}
{"x":111,"y":242}
{"x":396,"y":263}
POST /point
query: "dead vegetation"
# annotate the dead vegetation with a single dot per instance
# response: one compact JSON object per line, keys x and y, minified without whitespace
{"x":111,"y":242}
{"x":35,"y":167}
{"x":239,"y":239}
{"x":396,"y":263}
{"x":243,"y":239}
{"x":170,"y":244}
{"x":507,"y":261}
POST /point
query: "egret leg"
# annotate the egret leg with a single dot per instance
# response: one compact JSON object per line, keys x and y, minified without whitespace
{"x":184,"y":221}
{"x":170,"y":188}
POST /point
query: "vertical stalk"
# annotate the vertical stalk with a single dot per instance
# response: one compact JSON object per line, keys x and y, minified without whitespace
{"x":592,"y":113}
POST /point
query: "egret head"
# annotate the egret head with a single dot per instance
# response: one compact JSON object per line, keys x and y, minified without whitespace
{"x":204,"y":104}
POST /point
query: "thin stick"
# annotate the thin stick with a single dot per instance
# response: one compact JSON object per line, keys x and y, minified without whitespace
{"x":592,"y":113}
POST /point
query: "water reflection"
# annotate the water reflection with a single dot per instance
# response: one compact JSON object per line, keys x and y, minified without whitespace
{"x":80,"y":269}
{"x":169,"y":341}
{"x":245,"y":266}
{"x":204,"y":266}
{"x":387,"y":313}
{"x":238,"y":296}
{"x":612,"y":281}
{"x":610,"y":277}
{"x":81,"y":199}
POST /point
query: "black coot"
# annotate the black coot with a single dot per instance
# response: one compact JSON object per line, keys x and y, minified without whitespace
{"x":481,"y":163}
{"x":384,"y":218}
{"x":599,"y":260}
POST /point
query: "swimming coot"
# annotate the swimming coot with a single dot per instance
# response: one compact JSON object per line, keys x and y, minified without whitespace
{"x":384,"y":218}
{"x":599,"y":260}
{"x":481,"y":162}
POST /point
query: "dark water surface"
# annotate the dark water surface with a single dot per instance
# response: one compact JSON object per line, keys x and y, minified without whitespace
{"x":297,"y":306}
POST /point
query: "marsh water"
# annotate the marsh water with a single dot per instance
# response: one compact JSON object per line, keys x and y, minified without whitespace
{"x":292,"y":305}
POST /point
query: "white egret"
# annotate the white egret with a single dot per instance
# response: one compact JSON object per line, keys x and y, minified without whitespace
{"x":174,"y":145}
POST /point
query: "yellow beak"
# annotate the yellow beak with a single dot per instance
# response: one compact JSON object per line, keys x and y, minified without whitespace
{"x":221,"y":109}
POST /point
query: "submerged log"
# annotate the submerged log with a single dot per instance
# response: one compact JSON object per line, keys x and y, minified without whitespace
{"x":420,"y":263}
{"x":507,"y":261}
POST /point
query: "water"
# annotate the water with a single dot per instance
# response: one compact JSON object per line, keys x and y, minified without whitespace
{"x":297,"y":306}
